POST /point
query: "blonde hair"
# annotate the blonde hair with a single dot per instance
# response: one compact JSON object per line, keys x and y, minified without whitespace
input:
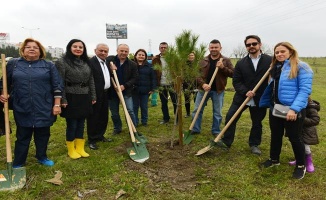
{"x":27,"y":40}
{"x":294,"y":58}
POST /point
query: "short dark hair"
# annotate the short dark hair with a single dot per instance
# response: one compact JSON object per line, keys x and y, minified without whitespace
{"x":215,"y":41}
{"x":252,"y":36}
{"x":164,"y":43}
{"x":140,"y":50}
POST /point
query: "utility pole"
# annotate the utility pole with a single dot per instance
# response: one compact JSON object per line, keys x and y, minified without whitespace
{"x":30,"y":30}
{"x":150,"y":46}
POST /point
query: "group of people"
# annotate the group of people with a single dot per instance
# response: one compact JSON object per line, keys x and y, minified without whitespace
{"x":79,"y":89}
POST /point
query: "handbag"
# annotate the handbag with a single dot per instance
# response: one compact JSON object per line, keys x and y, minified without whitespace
{"x":280,"y":110}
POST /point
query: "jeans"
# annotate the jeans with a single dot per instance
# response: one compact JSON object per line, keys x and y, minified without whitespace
{"x":75,"y":128}
{"x":257,"y":115}
{"x":24,"y":136}
{"x":114,"y":108}
{"x":217,"y":103}
{"x":293,"y":130}
{"x":141,"y":100}
{"x":167,"y":90}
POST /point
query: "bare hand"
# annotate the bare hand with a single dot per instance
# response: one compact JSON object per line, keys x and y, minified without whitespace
{"x":219,"y":63}
{"x":112,"y":66}
{"x":250,"y":94}
{"x":291,"y":116}
{"x":3,"y":99}
{"x":206,"y":87}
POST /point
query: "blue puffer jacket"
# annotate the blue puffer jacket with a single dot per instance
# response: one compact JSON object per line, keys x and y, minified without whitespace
{"x":33,"y":84}
{"x":291,"y":92}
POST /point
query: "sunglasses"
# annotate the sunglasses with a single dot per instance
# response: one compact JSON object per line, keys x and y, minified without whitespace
{"x":252,"y":44}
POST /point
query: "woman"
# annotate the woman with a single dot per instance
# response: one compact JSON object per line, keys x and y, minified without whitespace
{"x":290,"y":85}
{"x":36,"y":89}
{"x":78,"y":95}
{"x":145,"y":87}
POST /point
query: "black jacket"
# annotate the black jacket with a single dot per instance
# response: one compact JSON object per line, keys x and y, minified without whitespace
{"x":98,"y":76}
{"x":309,"y":130}
{"x":245,"y":78}
{"x":130,"y":74}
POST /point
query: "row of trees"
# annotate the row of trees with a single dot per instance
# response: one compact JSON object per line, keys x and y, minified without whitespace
{"x":10,"y":51}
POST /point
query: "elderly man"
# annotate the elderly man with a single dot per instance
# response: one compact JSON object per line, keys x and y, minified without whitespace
{"x":127,"y":73}
{"x":97,"y":122}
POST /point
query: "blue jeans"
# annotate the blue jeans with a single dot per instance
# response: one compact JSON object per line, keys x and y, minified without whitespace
{"x":217,"y":103}
{"x":141,"y":100}
{"x":114,"y":108}
{"x":24,"y":136}
{"x":75,"y":128}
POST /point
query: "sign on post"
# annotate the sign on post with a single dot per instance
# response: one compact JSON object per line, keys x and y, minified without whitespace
{"x":116,"y":31}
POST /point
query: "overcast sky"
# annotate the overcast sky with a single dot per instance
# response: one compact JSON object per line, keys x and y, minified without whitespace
{"x":301,"y":22}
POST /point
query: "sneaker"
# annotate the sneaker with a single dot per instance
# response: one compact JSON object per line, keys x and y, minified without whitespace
{"x":255,"y":150}
{"x":46,"y":162}
{"x":194,"y":133}
{"x":293,"y":163}
{"x":299,"y":172}
{"x":164,"y":122}
{"x":17,"y":166}
{"x":116,"y":132}
{"x":187,"y":116}
{"x":270,"y":163}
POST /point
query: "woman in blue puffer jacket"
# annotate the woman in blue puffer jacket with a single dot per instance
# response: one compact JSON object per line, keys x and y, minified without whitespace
{"x":290,"y":85}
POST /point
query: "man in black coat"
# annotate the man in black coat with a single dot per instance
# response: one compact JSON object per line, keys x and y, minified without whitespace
{"x":127,"y":74}
{"x":97,"y":122}
{"x":248,"y":72}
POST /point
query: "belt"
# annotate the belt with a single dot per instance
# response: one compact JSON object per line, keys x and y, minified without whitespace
{"x":81,"y":84}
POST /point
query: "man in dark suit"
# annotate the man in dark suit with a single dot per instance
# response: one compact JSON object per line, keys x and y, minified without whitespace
{"x":97,"y":122}
{"x":247,"y":73}
{"x":127,"y":74}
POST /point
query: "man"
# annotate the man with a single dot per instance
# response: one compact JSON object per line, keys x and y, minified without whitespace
{"x":248,"y":72}
{"x":164,"y":82}
{"x":127,"y":73}
{"x":216,"y":91}
{"x":97,"y":122}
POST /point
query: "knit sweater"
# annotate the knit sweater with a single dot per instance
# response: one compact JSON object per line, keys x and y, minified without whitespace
{"x":77,"y":77}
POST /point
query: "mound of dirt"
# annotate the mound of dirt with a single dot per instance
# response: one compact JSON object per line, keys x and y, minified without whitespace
{"x":167,"y":165}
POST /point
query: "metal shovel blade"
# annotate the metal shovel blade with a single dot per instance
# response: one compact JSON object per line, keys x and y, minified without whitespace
{"x":12,"y":179}
{"x":207,"y":148}
{"x":138,"y":152}
{"x":140,"y":137}
{"x":187,"y":137}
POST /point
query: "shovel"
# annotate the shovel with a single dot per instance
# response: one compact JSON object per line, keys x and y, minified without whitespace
{"x":138,"y":152}
{"x":10,"y":179}
{"x":219,"y":136}
{"x":140,"y":137}
{"x":187,"y":136}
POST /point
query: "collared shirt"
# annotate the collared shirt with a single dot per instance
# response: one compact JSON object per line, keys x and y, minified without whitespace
{"x":255,"y":63}
{"x":106,"y":73}
{"x":164,"y":77}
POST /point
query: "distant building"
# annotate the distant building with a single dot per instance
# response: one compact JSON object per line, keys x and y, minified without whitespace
{"x":56,"y":52}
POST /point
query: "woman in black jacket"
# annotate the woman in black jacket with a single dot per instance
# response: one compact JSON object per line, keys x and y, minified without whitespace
{"x":145,"y":86}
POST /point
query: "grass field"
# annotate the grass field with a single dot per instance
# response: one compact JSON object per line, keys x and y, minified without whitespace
{"x":175,"y":172}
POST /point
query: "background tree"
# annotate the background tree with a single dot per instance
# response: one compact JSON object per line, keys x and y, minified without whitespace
{"x":10,"y":51}
{"x":240,"y":51}
{"x":178,"y":68}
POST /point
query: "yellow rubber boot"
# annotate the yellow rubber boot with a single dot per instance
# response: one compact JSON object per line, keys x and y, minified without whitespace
{"x":71,"y":150}
{"x":80,"y":144}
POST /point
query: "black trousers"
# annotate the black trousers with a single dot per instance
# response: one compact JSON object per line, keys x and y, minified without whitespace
{"x":293,"y":130}
{"x":97,"y":122}
{"x":167,"y":90}
{"x":257,"y":115}
{"x":24,"y":136}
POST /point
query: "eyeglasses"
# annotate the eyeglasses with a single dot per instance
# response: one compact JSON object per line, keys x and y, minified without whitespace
{"x":252,"y":44}
{"x":29,"y":47}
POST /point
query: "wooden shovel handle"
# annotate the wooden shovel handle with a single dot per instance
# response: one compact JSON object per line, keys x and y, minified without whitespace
{"x":6,"y":108}
{"x":203,"y":99}
{"x":123,"y":103}
{"x":219,"y":136}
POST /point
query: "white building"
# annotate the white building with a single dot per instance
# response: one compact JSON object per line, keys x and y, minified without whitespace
{"x":56,"y":52}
